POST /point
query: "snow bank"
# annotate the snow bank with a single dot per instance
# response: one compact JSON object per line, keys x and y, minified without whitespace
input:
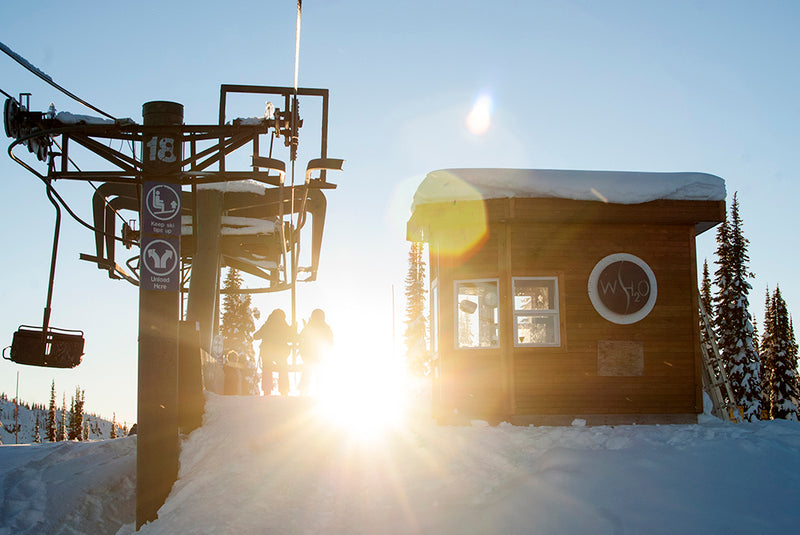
{"x":278,"y":465}
{"x":273,"y":465}
{"x":620,"y":187}
{"x":68,"y":487}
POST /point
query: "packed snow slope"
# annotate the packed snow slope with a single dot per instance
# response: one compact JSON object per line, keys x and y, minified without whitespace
{"x":278,"y":465}
{"x":67,"y":487}
{"x":285,"y":466}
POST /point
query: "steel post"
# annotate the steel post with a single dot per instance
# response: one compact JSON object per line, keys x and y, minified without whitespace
{"x":203,"y":288}
{"x":157,"y":443}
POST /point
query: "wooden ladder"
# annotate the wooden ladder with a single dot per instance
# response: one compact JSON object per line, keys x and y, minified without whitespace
{"x":715,"y":379}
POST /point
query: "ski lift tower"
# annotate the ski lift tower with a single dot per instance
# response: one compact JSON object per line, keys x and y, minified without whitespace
{"x":173,"y":183}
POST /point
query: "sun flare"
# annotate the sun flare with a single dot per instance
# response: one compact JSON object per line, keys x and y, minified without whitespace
{"x":364,"y":394}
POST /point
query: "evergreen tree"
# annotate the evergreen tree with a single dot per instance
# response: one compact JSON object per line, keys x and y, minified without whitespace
{"x":238,"y":324}
{"x":62,"y":424}
{"x":419,"y":359}
{"x":733,"y":322}
{"x":794,"y":358}
{"x":766,"y":352}
{"x":72,"y":433}
{"x":37,"y":438}
{"x":706,"y":305}
{"x":76,"y":416}
{"x":705,"y":290}
{"x":51,"y":414}
{"x":113,"y":433}
{"x":779,"y":360}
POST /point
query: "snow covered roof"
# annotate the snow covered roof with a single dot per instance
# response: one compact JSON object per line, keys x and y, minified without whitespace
{"x":622,"y":187}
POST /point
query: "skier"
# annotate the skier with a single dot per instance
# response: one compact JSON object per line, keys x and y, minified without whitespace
{"x":276,"y":338}
{"x":315,"y":343}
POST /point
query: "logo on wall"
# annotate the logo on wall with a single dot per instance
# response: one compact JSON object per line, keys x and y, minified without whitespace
{"x":622,"y":288}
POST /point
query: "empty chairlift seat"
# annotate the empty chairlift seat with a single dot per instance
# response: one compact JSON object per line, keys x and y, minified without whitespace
{"x":58,"y":348}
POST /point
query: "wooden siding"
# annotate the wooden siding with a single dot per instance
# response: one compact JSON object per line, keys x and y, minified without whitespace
{"x":545,"y":237}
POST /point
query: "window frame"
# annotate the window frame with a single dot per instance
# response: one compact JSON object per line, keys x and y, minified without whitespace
{"x":456,"y":315}
{"x":555,"y":313}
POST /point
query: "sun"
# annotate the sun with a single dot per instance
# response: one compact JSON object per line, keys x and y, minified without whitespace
{"x":363,"y":393}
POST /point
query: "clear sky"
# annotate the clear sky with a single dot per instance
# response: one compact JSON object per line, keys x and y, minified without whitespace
{"x":622,"y":85}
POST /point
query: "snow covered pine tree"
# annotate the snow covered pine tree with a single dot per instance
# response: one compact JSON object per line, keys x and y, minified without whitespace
{"x":51,"y":414}
{"x":416,"y":327}
{"x":237,"y":329}
{"x":76,"y":416}
{"x":732,"y":320}
{"x":779,"y":361}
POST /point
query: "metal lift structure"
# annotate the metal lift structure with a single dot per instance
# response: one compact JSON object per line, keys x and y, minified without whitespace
{"x":189,"y":222}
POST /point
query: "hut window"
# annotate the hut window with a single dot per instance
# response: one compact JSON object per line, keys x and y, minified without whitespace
{"x":476,"y":313}
{"x":536,"y":321}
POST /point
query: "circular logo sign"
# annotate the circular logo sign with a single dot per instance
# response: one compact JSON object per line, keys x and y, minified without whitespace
{"x":622,"y":288}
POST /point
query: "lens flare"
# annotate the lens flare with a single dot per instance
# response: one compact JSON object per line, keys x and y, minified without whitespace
{"x":456,"y":210}
{"x":480,"y":117}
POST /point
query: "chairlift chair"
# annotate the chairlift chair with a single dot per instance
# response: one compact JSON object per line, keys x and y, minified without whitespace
{"x":47,"y":346}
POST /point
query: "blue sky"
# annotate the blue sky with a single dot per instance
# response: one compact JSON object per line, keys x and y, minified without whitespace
{"x":645,"y":86}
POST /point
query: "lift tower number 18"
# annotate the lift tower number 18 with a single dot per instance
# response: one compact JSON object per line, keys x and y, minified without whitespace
{"x":161,"y":149}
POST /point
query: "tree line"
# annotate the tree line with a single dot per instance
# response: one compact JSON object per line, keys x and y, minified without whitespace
{"x":73,"y":424}
{"x":762,"y":370}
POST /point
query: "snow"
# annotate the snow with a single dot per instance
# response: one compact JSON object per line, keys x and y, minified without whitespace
{"x":66,"y":117}
{"x":233,"y":225}
{"x":250,"y":121}
{"x":239,"y":186}
{"x":622,"y":187}
{"x":67,"y":487}
{"x":282,"y":465}
{"x":24,"y":62}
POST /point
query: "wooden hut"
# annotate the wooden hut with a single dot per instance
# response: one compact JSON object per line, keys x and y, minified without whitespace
{"x":558,"y":295}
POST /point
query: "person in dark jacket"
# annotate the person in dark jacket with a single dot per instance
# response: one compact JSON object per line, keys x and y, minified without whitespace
{"x":276,"y":338}
{"x":316,"y":341}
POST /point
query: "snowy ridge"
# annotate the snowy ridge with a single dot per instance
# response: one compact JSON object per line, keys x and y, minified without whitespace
{"x":622,"y":187}
{"x":99,"y":428}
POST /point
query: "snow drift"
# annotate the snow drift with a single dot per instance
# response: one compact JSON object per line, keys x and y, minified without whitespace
{"x":278,"y":465}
